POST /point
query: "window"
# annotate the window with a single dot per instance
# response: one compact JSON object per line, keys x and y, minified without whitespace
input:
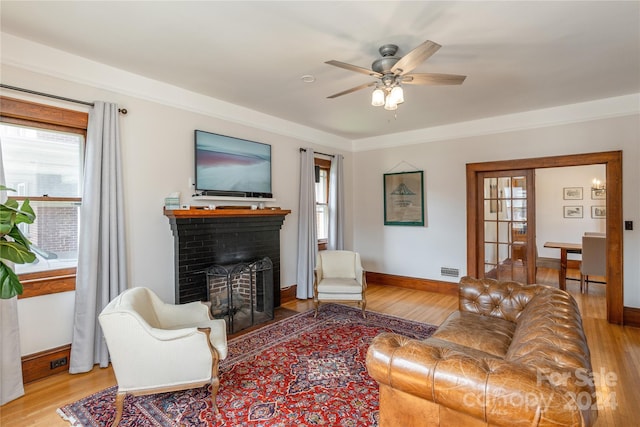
{"x":322,"y":201}
{"x":43,"y":155}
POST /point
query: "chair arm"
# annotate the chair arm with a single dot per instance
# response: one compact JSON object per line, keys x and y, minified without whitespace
{"x":173,"y":316}
{"x":493,"y":390}
{"x":145,"y":358}
{"x":360,"y":275}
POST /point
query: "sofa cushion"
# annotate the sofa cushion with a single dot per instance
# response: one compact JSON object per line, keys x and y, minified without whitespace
{"x":489,"y":297}
{"x":488,"y":334}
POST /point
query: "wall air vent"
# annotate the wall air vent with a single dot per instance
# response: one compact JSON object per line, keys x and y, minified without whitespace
{"x":448,"y":271}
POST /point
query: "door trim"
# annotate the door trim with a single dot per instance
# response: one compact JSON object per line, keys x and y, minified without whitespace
{"x":613,"y":162}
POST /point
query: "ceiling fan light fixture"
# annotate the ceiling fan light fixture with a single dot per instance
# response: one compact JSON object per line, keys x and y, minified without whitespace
{"x":390,"y":105}
{"x":377,"y":97}
{"x":397,"y":95}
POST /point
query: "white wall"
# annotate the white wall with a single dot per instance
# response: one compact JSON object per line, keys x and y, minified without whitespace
{"x":421,"y":251}
{"x":157,"y":138}
{"x":157,"y":155}
{"x":551,"y":225}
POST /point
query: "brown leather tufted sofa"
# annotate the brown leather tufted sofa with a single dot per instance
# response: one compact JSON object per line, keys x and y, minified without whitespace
{"x":512,"y":355}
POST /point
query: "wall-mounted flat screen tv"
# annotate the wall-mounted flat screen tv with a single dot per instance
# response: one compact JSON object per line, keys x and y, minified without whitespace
{"x":227,"y":166}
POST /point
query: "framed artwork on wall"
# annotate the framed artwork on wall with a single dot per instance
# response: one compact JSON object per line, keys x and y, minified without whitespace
{"x":598,"y":194}
{"x":573,"y":211}
{"x":598,"y":212}
{"x":572,"y":193}
{"x":404,"y":198}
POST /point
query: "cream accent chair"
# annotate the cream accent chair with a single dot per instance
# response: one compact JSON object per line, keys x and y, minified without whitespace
{"x":339,"y":276}
{"x":157,"y":347}
{"x":594,"y":259}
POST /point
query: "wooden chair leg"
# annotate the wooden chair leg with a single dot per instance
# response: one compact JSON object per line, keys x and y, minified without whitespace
{"x":215,"y":386}
{"x":119,"y":408}
{"x":363,"y":303}
{"x":586,"y":285}
{"x":316,"y":303}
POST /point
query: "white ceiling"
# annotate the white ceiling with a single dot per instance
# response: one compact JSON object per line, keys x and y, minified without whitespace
{"x":518,"y":56}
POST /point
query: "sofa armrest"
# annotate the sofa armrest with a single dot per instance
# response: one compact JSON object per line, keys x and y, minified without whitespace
{"x":489,"y":389}
{"x":489,"y":297}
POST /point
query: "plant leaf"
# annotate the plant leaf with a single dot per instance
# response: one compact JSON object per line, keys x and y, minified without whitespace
{"x":16,"y":252}
{"x":25,"y":213}
{"x":10,"y":286}
{"x":18,"y":237}
{"x":5,"y":188}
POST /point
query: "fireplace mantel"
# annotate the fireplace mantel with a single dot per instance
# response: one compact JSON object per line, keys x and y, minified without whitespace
{"x":204,"y":237}
{"x":224,"y":212}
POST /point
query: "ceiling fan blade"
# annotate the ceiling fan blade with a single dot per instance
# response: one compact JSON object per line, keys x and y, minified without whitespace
{"x":354,"y":68}
{"x":353,"y":89}
{"x":416,"y":57}
{"x":433,"y":79}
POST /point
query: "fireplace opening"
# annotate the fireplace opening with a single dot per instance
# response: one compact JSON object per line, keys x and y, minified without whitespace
{"x":242,"y":293}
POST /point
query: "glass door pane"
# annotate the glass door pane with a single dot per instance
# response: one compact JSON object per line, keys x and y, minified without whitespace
{"x":506,"y":249}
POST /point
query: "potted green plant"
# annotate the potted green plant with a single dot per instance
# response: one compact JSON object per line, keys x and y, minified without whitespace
{"x":14,"y":246}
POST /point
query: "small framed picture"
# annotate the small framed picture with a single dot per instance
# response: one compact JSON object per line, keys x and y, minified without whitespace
{"x":572,"y":193}
{"x":598,"y":212}
{"x":573,"y":211}
{"x":598,"y":194}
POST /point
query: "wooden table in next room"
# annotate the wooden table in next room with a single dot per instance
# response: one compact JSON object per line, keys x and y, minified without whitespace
{"x":565,"y":248}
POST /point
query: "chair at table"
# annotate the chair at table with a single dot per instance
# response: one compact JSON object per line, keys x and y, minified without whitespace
{"x":339,"y":276}
{"x":157,"y":347}
{"x":594,"y":259}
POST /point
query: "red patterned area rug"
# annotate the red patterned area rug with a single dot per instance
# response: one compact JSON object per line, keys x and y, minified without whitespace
{"x":299,"y":371}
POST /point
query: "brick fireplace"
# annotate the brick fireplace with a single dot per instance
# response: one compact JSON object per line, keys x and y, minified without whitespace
{"x":203,"y":238}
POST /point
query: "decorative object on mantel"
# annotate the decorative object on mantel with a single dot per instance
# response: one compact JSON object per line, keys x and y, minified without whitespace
{"x":298,"y":371}
{"x":172,"y":201}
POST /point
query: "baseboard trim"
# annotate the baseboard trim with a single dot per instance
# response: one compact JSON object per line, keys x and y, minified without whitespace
{"x":288,"y":294}
{"x":631,"y":316}
{"x":38,"y":365}
{"x":437,"y":286}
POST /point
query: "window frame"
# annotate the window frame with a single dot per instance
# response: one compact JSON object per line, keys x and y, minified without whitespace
{"x":43,"y":116}
{"x":323,"y":164}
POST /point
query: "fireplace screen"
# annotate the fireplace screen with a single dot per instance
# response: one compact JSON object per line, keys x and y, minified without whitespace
{"x":241,"y":294}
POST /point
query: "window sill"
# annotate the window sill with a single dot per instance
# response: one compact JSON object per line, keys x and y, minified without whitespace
{"x":47,"y":282}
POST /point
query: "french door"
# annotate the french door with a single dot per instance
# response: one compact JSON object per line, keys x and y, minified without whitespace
{"x":506,"y":219}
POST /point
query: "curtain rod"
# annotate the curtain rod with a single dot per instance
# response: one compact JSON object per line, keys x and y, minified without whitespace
{"x":317,"y":152}
{"x":62,"y":98}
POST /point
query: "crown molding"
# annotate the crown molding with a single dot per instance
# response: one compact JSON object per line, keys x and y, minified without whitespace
{"x":566,"y":114}
{"x":28,"y":55}
{"x":36,"y":57}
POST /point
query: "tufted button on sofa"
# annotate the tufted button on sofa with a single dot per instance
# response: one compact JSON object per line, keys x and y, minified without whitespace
{"x":512,"y":355}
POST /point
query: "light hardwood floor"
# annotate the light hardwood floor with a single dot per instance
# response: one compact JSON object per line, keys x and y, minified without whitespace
{"x":615,"y":350}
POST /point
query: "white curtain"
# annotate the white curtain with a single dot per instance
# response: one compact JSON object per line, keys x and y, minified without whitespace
{"x":336,"y":204}
{"x":11,"y":364}
{"x":307,"y":240}
{"x":101,"y":273}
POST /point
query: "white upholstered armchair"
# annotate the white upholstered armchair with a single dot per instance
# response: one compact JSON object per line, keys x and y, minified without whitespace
{"x":157,"y":347}
{"x":339,"y":276}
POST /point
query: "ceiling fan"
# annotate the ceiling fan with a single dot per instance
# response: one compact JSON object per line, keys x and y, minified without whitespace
{"x":392,"y":71}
